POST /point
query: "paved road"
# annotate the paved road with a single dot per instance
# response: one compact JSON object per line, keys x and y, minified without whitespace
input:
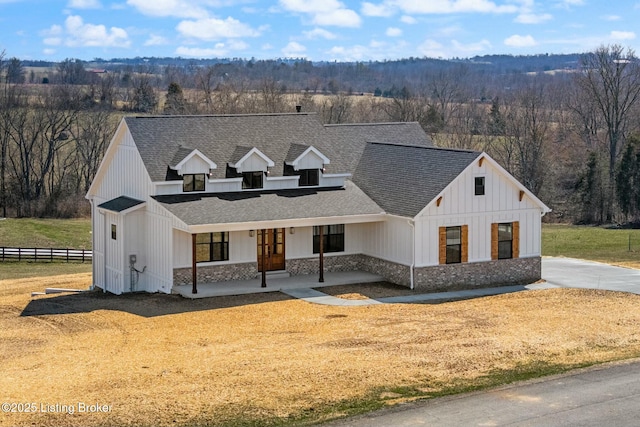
{"x":601,"y":396}
{"x":575,"y":273}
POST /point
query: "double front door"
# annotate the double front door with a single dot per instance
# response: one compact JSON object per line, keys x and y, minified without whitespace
{"x":273,"y":249}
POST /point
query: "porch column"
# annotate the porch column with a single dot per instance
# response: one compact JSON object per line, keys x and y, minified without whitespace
{"x":321,"y":232}
{"x":263,"y":249}
{"x":194,"y":272}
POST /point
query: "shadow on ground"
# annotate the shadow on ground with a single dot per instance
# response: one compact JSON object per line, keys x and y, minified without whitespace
{"x":145,"y":305}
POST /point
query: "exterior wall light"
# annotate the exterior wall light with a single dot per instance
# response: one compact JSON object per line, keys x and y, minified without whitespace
{"x":292,"y":230}
{"x":252,"y":233}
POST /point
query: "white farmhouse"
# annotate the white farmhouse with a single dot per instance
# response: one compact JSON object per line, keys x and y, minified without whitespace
{"x":201,"y":199}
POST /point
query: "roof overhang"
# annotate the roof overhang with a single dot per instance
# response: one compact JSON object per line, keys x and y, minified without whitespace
{"x":122,"y":205}
{"x":238,"y":165}
{"x":311,"y":149}
{"x":188,"y":157}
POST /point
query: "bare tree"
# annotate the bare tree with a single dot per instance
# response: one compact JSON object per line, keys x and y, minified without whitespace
{"x":610,"y":77}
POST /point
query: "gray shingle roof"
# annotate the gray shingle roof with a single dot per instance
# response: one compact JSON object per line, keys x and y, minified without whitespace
{"x":249,"y":206}
{"x":404,"y":179}
{"x":159,"y":138}
{"x":350,"y":139}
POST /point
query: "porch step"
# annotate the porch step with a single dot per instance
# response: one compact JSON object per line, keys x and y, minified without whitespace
{"x":278,"y":274}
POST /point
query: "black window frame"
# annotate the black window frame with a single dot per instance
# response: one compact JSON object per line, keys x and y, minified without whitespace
{"x":454,"y":245}
{"x":308,"y":177}
{"x":190,"y":182}
{"x":505,"y":240}
{"x":114,"y":232}
{"x":333,"y":238}
{"x":216,"y":248}
{"x":479,"y":186}
{"x":250,"y":180}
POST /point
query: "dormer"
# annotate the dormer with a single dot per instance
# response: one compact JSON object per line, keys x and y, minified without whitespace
{"x":252,"y":164}
{"x":194,"y":167}
{"x":307,"y":162}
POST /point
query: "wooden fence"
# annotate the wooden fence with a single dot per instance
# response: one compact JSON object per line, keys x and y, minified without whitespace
{"x":45,"y":254}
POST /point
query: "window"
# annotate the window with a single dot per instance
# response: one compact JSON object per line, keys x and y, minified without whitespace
{"x":505,"y":241}
{"x":212,"y":247}
{"x":454,"y":245}
{"x":113,"y":231}
{"x":479,"y":186}
{"x":308,"y":177}
{"x":333,"y":238}
{"x":193,"y":182}
{"x":252,"y":179}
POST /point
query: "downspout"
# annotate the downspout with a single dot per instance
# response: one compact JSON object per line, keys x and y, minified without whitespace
{"x":413,"y":251}
{"x":93,"y":245}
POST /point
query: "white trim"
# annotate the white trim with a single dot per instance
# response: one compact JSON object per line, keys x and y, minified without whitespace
{"x":198,"y":153}
{"x":284,"y":223}
{"x":311,"y":149}
{"x":259,"y":153}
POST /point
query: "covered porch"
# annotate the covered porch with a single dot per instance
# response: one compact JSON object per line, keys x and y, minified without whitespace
{"x":275,"y":284}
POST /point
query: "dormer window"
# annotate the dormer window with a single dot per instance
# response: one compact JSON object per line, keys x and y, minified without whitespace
{"x":193,"y":182}
{"x":308,"y":177}
{"x":252,"y":180}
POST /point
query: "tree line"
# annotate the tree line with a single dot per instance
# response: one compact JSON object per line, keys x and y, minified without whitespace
{"x":569,"y":135}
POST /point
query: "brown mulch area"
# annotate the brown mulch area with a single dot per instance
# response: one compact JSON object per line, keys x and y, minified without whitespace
{"x":161,"y":360}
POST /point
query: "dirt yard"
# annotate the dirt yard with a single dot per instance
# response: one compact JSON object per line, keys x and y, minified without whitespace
{"x":158,"y":360}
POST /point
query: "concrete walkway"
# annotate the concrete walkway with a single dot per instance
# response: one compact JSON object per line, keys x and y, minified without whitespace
{"x":277,"y":284}
{"x":578,"y":273}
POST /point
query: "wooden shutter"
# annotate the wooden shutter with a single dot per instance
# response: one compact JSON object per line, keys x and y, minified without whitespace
{"x":442,"y":251}
{"x":494,"y":240}
{"x":464,"y":243}
{"x":515,"y":243}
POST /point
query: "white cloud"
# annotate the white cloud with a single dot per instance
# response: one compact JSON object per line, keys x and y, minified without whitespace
{"x":532,"y":18}
{"x":155,"y":40}
{"x":76,"y":33}
{"x":324,"y":12}
{"x":462,"y":49}
{"x":611,"y":18}
{"x":229,"y":48}
{"x":319,"y":33}
{"x":431,"y":49}
{"x":520,"y":41}
{"x":84,"y":4}
{"x":49,"y":51}
{"x":393,"y":32}
{"x":407,"y":19}
{"x":623,"y":35}
{"x":338,"y":18}
{"x":216,"y":29}
{"x":453,"y":6}
{"x":568,"y":3}
{"x":348,"y":54}
{"x":174,"y":8}
{"x":380,"y":10}
{"x":293,"y":49}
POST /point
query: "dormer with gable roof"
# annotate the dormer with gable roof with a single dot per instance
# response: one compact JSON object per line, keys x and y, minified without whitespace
{"x":194,"y":168}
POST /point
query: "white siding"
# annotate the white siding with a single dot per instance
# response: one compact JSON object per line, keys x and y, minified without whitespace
{"x":253,"y":163}
{"x":310,"y":161}
{"x":390,"y":240}
{"x":459,"y":206}
{"x":278,"y":183}
{"x":113,"y":254}
{"x":98,"y":261}
{"x":194,"y":165}
{"x":242,"y":248}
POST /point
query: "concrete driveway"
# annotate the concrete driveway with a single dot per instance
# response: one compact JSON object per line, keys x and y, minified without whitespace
{"x":576,"y":273}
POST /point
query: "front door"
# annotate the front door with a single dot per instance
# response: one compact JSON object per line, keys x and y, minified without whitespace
{"x":274,"y":249}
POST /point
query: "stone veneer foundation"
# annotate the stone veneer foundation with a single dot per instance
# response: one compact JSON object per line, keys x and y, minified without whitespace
{"x":434,"y":278}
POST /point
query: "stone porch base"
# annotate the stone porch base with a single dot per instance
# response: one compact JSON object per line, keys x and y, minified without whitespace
{"x":432,"y":278}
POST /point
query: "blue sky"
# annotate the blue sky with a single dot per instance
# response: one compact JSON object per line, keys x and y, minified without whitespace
{"x":339,"y":30}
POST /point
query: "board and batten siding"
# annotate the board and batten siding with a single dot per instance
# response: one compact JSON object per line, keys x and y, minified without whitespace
{"x":390,"y":240}
{"x":501,"y":203}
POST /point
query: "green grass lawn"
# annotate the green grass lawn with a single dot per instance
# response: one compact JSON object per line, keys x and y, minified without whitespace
{"x":592,"y":243}
{"x":46,"y":233}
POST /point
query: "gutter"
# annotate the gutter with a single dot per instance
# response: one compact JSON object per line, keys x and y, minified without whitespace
{"x":413,"y":251}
